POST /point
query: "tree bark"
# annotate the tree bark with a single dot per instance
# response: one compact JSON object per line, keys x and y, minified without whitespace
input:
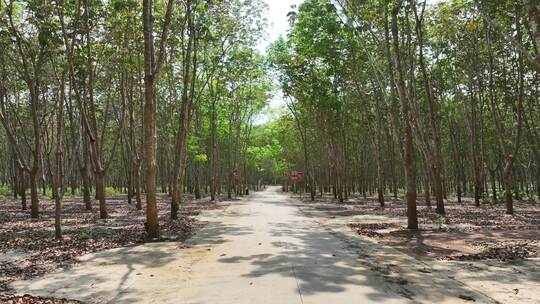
{"x":151,"y":76}
{"x":408,"y":145}
{"x":213,"y":145}
{"x":34,"y":201}
{"x":59,"y":172}
{"x":185,"y":117}
{"x":150,"y":122}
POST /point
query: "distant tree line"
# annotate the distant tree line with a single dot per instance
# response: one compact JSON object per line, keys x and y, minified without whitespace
{"x":392,"y":95}
{"x":137,"y":96}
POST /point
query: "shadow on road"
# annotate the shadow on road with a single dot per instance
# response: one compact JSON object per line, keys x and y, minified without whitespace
{"x":331,"y":262}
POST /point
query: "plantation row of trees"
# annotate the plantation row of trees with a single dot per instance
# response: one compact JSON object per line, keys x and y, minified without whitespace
{"x":401,"y":94}
{"x":142,"y":96}
{"x":161,"y":96}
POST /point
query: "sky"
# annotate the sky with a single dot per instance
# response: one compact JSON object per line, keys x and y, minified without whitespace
{"x":278,"y":26}
{"x":277,"y":19}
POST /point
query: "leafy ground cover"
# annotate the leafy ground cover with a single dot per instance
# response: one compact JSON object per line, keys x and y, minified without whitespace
{"x":465,"y":233}
{"x":28,"y":248}
{"x":29,"y":299}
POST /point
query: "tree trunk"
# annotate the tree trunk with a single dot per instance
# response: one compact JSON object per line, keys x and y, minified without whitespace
{"x":87,"y":196}
{"x":458,"y":190}
{"x":538,"y":184}
{"x":408,"y":145}
{"x":151,"y":73}
{"x":213,"y":149}
{"x":493,"y":186}
{"x":100,"y":194}
{"x":137,"y":179}
{"x":427,"y":193}
{"x":439,"y":191}
{"x":185,"y":118}
{"x":507,"y":181}
{"x":129,"y":181}
{"x":58,"y":176}
{"x":436,"y":158}
{"x":410,"y":177}
{"x":380,"y":169}
{"x":34,"y":201}
{"x":22,"y":189}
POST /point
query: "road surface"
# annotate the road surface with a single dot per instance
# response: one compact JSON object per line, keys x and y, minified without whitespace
{"x":262,"y":249}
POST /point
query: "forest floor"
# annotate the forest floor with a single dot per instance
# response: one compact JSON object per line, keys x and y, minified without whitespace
{"x":483,"y":242}
{"x":28,"y":248}
{"x":268,"y":248}
{"x":261,"y":249}
{"x":465,"y":233}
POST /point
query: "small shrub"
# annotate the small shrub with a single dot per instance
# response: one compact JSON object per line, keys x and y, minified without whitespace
{"x":111,"y":191}
{"x":489,"y":201}
{"x":86,"y":235}
{"x":440,"y":221}
{"x":5,"y":191}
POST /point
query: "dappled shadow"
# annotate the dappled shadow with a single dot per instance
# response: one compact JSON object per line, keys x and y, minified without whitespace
{"x":452,"y":278}
{"x":529,"y":268}
{"x":217,"y":232}
{"x":416,"y":243}
{"x":126,"y":274}
{"x":327,"y":262}
{"x":445,"y":245}
{"x":105,"y":275}
{"x":116,"y":275}
{"x":319,"y":261}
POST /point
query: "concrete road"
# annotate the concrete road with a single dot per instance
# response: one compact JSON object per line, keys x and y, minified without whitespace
{"x":259,"y":250}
